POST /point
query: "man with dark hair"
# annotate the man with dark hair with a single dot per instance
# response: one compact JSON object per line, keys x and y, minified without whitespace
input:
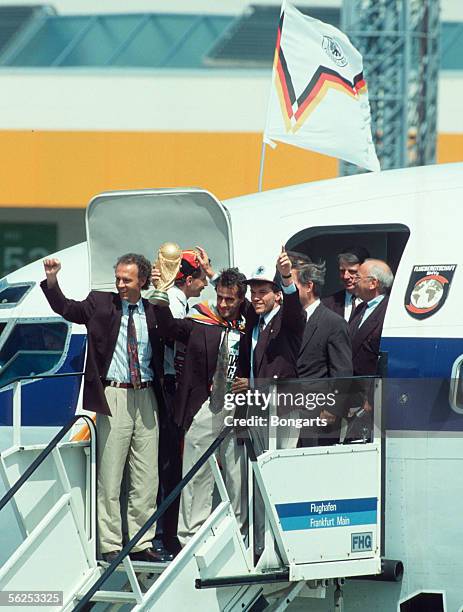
{"x":274,"y":328}
{"x":344,"y":302}
{"x":325,"y":348}
{"x":122,"y":384}
{"x":211,"y":333}
{"x":191,"y":279}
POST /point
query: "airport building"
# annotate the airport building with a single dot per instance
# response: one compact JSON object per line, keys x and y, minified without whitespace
{"x":147,"y":94}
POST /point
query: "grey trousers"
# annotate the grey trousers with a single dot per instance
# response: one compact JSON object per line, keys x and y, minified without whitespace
{"x":197,"y":497}
{"x":131,"y":432}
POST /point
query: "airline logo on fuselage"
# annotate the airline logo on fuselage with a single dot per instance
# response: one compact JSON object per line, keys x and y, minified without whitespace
{"x":428,"y":289}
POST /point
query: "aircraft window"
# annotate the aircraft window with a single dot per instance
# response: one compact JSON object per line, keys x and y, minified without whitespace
{"x":385,"y":241}
{"x":456,"y":386}
{"x":11,"y":295}
{"x":32,"y":348}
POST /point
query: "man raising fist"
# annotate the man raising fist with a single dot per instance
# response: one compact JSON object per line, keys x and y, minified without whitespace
{"x":122,"y":384}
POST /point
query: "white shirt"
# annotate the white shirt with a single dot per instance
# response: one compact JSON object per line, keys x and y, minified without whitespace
{"x":267,"y":317}
{"x":371,"y":305}
{"x":178,"y":304}
{"x":311,"y":308}
{"x":119,"y":367}
{"x":349,"y":302}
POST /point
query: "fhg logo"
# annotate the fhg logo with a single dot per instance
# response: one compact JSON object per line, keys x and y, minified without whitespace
{"x":361,"y":542}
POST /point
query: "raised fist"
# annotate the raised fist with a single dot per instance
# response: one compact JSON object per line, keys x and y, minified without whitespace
{"x":52,"y":267}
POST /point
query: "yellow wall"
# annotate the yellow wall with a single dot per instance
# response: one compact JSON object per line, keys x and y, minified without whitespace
{"x":65,"y":169}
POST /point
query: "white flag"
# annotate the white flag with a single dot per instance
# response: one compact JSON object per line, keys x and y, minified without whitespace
{"x":319,"y":97}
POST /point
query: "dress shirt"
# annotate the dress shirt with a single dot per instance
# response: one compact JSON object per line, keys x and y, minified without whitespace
{"x":371,"y":305}
{"x":178,"y":304}
{"x":255,"y":336}
{"x":119,"y":367}
{"x":311,"y":308}
{"x":350,"y":302}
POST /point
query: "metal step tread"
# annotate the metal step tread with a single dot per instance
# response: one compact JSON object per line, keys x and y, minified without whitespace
{"x":112,"y":596}
{"x":142,"y":567}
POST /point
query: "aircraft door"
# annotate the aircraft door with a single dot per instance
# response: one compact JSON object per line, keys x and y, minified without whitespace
{"x":140,"y":221}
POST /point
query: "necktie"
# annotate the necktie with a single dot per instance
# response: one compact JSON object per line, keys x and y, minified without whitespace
{"x":260,"y":329}
{"x":354,"y":322}
{"x":354,"y":307}
{"x":219,"y":381}
{"x":132,"y":349}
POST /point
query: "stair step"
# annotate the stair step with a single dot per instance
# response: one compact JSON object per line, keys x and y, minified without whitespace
{"x":142,"y":567}
{"x":114,"y":596}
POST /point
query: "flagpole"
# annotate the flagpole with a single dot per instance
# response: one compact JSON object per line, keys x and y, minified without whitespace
{"x":262,"y":161}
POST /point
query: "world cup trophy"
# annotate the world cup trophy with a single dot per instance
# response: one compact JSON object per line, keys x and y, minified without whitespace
{"x":168,"y":263}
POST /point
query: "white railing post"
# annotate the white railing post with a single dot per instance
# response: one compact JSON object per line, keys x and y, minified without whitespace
{"x":17,"y":413}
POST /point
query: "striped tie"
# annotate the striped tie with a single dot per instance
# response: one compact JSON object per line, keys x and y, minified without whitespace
{"x":132,"y":349}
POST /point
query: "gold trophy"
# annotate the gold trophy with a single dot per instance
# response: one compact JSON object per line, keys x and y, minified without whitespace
{"x":168,"y":264}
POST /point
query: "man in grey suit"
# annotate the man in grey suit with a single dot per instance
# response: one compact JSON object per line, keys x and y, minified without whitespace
{"x":325,"y":348}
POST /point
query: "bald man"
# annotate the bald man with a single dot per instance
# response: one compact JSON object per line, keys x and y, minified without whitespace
{"x":373,"y":283}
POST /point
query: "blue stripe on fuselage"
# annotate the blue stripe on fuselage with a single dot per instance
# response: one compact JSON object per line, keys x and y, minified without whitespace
{"x":418,"y":368}
{"x":417,"y":384}
{"x":52,"y":401}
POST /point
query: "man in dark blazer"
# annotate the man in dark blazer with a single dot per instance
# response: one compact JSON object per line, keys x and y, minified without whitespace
{"x":268,"y":350}
{"x":325,"y":351}
{"x":210,"y":331}
{"x":373,"y":283}
{"x":123,"y":385}
{"x":344,"y":302}
{"x":270,"y":347}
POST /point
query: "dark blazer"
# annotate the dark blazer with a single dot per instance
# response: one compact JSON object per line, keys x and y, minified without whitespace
{"x":278,"y":346}
{"x":325,"y":349}
{"x":101,"y":313}
{"x":202,"y":348}
{"x":366,"y":340}
{"x":336,"y":302}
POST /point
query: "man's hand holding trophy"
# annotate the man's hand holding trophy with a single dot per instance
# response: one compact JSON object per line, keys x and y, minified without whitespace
{"x":164,"y":271}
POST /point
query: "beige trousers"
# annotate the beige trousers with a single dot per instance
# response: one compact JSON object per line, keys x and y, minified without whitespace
{"x":131,"y":432}
{"x":197,"y":496}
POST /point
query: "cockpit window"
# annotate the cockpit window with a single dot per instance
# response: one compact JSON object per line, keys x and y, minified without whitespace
{"x":11,"y":295}
{"x":32,"y":349}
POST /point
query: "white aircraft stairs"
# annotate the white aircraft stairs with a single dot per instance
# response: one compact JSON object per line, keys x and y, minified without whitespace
{"x":318,"y":531}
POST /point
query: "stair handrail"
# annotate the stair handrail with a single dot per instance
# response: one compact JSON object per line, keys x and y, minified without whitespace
{"x":225,"y":432}
{"x":37,"y":377}
{"x":50,"y":446}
